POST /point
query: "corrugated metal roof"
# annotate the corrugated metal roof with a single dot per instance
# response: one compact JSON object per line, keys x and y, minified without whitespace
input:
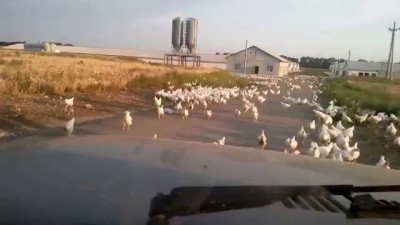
{"x":363,"y":66}
{"x":367,"y":66}
{"x":271,"y":54}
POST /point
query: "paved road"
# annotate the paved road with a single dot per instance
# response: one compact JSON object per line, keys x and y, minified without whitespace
{"x":278,"y":124}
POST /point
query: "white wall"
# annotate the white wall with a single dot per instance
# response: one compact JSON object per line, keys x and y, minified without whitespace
{"x":255,"y":58}
{"x":356,"y":73}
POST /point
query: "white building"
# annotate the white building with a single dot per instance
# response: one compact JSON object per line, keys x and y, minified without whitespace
{"x":259,"y":62}
{"x":294,"y":66}
{"x":363,"y":69}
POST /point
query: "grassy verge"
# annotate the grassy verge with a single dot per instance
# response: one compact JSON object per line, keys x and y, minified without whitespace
{"x":217,"y":78}
{"x":371,"y":93}
{"x":377,"y":94}
{"x":310,"y":72}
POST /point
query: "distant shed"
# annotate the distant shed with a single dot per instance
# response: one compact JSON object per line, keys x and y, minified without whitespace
{"x":258,"y":62}
{"x":34,"y":47}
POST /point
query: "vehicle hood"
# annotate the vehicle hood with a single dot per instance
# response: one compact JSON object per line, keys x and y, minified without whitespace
{"x":111,"y":179}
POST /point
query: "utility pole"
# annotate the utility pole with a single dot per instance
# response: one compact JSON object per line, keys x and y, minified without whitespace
{"x":346,"y":64}
{"x":245,"y":59}
{"x":389,"y":69}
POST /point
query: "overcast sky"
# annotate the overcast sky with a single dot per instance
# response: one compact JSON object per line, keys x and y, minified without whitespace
{"x":291,"y":27}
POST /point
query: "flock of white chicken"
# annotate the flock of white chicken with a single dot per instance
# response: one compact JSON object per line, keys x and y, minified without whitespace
{"x":327,"y":140}
{"x":333,"y":140}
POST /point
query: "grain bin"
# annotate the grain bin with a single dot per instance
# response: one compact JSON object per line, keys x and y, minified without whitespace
{"x":177,"y":34}
{"x":191,"y":35}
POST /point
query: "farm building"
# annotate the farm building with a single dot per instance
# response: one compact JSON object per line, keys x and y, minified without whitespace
{"x":41,"y":47}
{"x":294,"y":66}
{"x":259,"y":62}
{"x":364,"y":69}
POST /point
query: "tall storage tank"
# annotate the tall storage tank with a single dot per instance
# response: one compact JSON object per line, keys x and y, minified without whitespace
{"x":191,"y":35}
{"x":177,"y":32}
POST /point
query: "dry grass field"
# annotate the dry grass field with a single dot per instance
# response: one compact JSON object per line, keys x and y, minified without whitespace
{"x":33,"y":86}
{"x":39,"y":73}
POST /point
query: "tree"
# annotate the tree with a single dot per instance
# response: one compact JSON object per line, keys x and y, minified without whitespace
{"x":362,"y":60}
{"x":319,"y":63}
{"x":218,"y":53}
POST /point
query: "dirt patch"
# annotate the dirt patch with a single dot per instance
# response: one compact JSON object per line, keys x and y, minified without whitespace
{"x":28,"y":115}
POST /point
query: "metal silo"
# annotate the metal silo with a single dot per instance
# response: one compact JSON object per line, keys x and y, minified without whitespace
{"x":177,"y":40}
{"x":191,"y":35}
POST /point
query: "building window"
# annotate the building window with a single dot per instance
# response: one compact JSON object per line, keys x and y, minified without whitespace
{"x":374,"y":75}
{"x":360,"y":74}
{"x":250,"y":53}
{"x":270,"y":68}
{"x":366,"y":74}
{"x":238,"y":66}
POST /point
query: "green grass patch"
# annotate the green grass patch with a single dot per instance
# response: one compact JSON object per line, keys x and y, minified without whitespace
{"x":219,"y":78}
{"x":310,"y":72}
{"x":371,"y":93}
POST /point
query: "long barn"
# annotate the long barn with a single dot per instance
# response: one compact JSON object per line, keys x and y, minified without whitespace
{"x":259,"y":61}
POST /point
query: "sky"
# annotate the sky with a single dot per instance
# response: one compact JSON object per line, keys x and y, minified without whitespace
{"x":318,"y":28}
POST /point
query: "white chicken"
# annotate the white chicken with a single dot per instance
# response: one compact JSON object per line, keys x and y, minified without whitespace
{"x":339,"y":126}
{"x":157,"y":101}
{"x":302,"y":134}
{"x":361,"y":119}
{"x":353,"y":151}
{"x":342,"y":140}
{"x":391,"y":130}
{"x":254,"y":109}
{"x":69,"y":126}
{"x":69,"y":103}
{"x":325,"y":150}
{"x":311,"y":125}
{"x":127,"y":121}
{"x":185,"y":113}
{"x":383,"y":163}
{"x":262,"y":140}
{"x":261,"y":99}
{"x":313,"y":150}
{"x":394,"y":118}
{"x":208,"y":113}
{"x":205,"y":104}
{"x":339,"y":157}
{"x":255,"y":117}
{"x":285,"y":105}
{"x":220,"y":142}
{"x":160,"y":111}
{"x":349,"y":132}
{"x":397,"y":141}
{"x":375,"y":119}
{"x":291,"y":144}
{"x":346,"y":119}
{"x":178,"y":108}
{"x":324,"y":136}
{"x":238,"y":113}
